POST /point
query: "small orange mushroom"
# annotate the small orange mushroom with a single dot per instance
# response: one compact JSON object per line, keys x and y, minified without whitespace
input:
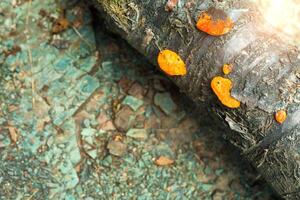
{"x":222,"y":87}
{"x":227,"y":69}
{"x":280,"y":116}
{"x":171,"y":63}
{"x":214,"y":22}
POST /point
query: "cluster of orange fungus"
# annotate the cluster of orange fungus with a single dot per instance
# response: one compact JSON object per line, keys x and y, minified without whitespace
{"x":227,"y":69}
{"x":214,"y":22}
{"x":280,"y":116}
{"x":222,"y":87}
{"x":171,"y":63}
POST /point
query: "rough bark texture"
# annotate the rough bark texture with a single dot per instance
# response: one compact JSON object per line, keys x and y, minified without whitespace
{"x":266,"y":75}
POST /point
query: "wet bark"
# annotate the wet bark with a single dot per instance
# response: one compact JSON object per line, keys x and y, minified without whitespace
{"x":266,"y":75}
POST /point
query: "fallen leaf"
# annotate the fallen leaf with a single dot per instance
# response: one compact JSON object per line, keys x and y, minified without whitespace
{"x":60,"y":25}
{"x":118,"y":138}
{"x":163,"y":161}
{"x":171,"y":4}
{"x":12,"y":108}
{"x":13,"y":134}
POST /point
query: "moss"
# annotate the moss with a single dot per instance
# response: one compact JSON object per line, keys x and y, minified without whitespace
{"x":117,"y":9}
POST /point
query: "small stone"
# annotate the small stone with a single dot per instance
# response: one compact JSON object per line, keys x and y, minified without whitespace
{"x":140,"y":134}
{"x":125,"y":84}
{"x":148,"y":111}
{"x":88,"y":132}
{"x":207,"y":187}
{"x":82,"y":115}
{"x":136,"y":91}
{"x":117,"y":148}
{"x":88,"y":139}
{"x":165,"y":102}
{"x":40,"y":124}
{"x":105,"y":123}
{"x":140,"y":121}
{"x":41,"y":108}
{"x":107,"y":161}
{"x":133,"y":102}
{"x":153,"y":122}
{"x":150,"y":93}
{"x":236,"y":185}
{"x":208,"y":170}
{"x":219,"y":172}
{"x":108,"y":126}
{"x":158,"y":86}
{"x":158,"y":112}
{"x":102,"y":118}
{"x":163,"y":161}
{"x":92,"y":153}
{"x":168,"y":122}
{"x":124,"y":119}
{"x":218,"y":195}
{"x":75,"y":156}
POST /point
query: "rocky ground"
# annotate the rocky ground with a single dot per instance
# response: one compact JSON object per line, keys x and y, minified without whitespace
{"x":83,"y":116}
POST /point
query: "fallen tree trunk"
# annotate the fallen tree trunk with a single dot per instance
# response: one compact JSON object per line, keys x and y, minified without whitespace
{"x":266,"y":75}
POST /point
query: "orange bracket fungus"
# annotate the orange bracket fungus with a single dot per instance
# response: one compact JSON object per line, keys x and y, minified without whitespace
{"x":214,"y":22}
{"x":280,"y":116}
{"x":227,"y":69}
{"x":222,"y":87}
{"x":171,"y":63}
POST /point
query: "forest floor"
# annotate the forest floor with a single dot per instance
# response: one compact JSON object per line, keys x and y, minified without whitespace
{"x":83,"y":116}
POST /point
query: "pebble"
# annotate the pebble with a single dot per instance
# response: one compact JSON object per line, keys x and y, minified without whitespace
{"x":140,"y":134}
{"x":158,"y":85}
{"x":136,"y":91}
{"x":124,"y":119}
{"x":133,"y":102}
{"x":92,"y":153}
{"x":105,"y":123}
{"x":117,"y":148}
{"x":165,"y":102}
{"x":108,"y":126}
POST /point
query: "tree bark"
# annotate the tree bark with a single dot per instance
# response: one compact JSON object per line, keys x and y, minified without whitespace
{"x":266,"y":75}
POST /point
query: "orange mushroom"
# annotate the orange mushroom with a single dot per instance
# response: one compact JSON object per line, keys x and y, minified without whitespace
{"x":280,"y":116}
{"x":222,"y":88}
{"x":171,"y":63}
{"x":214,"y":22}
{"x":227,"y":69}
